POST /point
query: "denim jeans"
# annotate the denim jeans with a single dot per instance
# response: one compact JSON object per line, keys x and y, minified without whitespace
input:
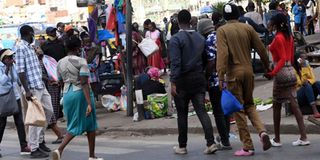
{"x":316,"y":89}
{"x":305,"y":95}
{"x":18,"y":121}
{"x":192,"y":87}
{"x":222,"y":122}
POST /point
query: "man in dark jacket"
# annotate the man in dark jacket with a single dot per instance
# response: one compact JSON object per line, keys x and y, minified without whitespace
{"x":188,"y":82}
{"x":53,"y":47}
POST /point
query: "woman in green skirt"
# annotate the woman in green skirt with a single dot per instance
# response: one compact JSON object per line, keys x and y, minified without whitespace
{"x":78,"y":99}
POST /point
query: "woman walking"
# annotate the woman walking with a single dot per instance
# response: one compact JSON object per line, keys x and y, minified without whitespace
{"x":284,"y":87}
{"x":8,"y":79}
{"x":78,"y":98}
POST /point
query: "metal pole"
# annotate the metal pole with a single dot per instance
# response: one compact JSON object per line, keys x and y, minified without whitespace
{"x":129,"y":59}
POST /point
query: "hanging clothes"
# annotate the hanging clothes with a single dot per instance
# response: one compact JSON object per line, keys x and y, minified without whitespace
{"x":112,"y":20}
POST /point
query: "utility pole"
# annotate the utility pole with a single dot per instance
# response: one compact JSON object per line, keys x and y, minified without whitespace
{"x":129,"y":59}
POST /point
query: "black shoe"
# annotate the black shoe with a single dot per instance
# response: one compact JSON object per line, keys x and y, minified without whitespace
{"x":38,"y":154}
{"x":44,"y":148}
{"x":58,"y":141}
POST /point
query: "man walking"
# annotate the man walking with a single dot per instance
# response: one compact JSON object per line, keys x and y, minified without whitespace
{"x":188,"y":81}
{"x":30,"y":74}
{"x":235,"y":40}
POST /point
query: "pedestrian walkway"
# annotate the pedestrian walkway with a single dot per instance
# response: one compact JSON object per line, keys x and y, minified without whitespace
{"x":160,"y":147}
{"x":119,"y":123}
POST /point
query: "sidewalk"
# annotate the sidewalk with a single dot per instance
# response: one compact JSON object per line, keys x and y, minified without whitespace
{"x":119,"y":123}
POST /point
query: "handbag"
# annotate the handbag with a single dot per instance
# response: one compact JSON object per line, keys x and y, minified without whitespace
{"x":230,"y":103}
{"x":8,"y":105}
{"x":35,"y":115}
{"x":148,"y":46}
{"x":286,"y":77}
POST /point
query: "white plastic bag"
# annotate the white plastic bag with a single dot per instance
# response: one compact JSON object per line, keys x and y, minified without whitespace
{"x":110,"y":102}
{"x":148,"y":46}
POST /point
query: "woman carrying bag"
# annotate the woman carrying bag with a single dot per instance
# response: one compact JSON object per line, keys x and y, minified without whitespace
{"x":284,"y":86}
{"x":9,"y":89}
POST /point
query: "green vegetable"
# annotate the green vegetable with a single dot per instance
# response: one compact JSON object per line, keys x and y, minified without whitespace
{"x":268,"y":101}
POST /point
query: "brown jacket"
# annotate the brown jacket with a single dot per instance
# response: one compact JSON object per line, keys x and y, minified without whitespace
{"x":235,"y":42}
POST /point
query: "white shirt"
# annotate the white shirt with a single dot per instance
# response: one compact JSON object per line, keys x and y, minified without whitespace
{"x":310,"y":9}
{"x":255,"y":16}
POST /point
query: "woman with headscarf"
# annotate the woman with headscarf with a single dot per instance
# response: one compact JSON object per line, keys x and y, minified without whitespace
{"x":154,"y":84}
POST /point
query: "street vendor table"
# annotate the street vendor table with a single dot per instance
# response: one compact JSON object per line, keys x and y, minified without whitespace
{"x":314,"y":58}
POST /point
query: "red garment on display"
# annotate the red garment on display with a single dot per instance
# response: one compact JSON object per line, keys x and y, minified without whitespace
{"x":112,"y":20}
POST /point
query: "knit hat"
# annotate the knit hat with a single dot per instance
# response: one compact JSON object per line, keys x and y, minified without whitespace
{"x":231,"y":12}
{"x":205,"y":26}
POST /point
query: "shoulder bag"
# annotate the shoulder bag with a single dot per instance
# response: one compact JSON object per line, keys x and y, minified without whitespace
{"x":8,"y":102}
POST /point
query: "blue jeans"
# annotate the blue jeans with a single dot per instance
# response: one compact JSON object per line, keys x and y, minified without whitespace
{"x":316,"y":89}
{"x":305,"y":95}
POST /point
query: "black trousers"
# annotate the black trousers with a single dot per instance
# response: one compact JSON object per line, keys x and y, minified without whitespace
{"x":310,"y":25}
{"x":18,"y":121}
{"x":222,"y":122}
{"x":191,"y":87}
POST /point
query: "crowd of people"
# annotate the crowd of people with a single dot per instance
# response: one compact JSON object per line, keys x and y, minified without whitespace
{"x":77,"y":60}
{"x":206,"y":53}
{"x":216,"y":56}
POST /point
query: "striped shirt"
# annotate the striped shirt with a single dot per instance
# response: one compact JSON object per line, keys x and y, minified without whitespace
{"x":27,"y":62}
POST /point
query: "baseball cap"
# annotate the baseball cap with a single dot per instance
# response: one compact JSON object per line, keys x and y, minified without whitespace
{"x":50,"y":30}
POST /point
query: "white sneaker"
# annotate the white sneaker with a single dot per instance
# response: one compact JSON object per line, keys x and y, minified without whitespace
{"x":96,"y":158}
{"x":56,"y":155}
{"x":300,"y":143}
{"x":275,"y":144}
{"x":178,"y":150}
{"x":211,"y":149}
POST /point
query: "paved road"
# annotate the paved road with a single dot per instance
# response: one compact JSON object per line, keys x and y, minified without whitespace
{"x":160,"y":148}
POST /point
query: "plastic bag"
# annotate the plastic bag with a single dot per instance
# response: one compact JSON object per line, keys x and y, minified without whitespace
{"x":158,"y":104}
{"x":230,"y":103}
{"x":35,"y":115}
{"x":110,"y":102}
{"x":123,"y":98}
{"x":148,"y":46}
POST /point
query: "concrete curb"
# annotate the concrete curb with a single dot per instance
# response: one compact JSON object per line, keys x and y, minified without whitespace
{"x":285,"y":129}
